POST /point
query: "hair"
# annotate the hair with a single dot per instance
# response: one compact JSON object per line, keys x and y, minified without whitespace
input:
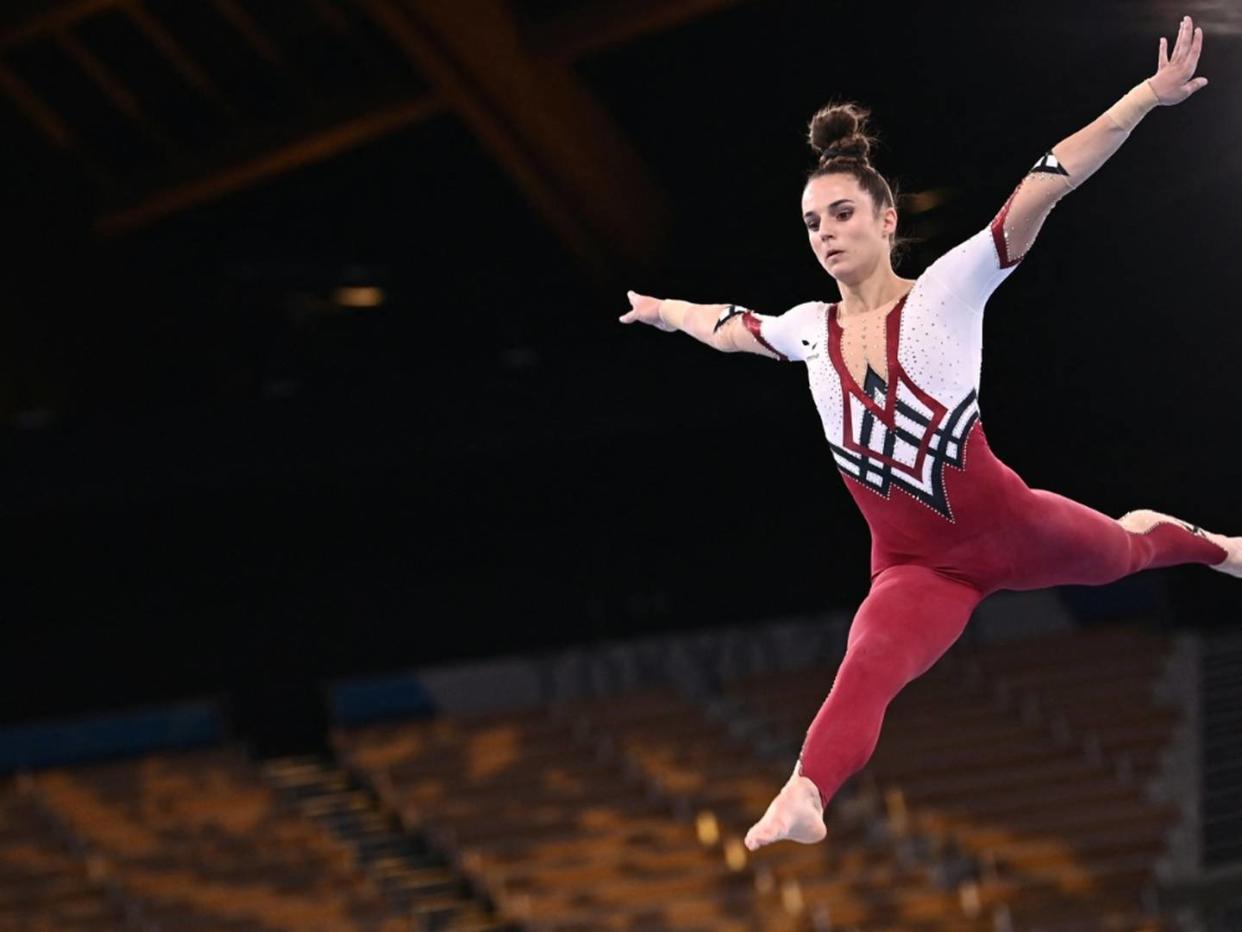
{"x":838,"y":134}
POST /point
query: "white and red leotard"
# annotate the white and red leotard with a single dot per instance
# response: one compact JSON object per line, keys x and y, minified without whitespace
{"x":950,"y":523}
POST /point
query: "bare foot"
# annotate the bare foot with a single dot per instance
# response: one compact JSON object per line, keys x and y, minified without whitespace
{"x":796,"y":814}
{"x":1142,"y":521}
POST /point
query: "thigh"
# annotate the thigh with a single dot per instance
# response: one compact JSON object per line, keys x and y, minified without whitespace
{"x":911,"y":616}
{"x":1063,"y":542}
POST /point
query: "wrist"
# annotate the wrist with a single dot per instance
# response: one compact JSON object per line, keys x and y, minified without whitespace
{"x":1139,"y":101}
{"x":666,"y":313}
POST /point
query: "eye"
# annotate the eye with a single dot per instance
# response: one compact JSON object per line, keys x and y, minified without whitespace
{"x":844,"y":214}
{"x":812,"y":225}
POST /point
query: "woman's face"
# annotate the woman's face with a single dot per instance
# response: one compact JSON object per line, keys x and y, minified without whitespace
{"x":848,"y":236}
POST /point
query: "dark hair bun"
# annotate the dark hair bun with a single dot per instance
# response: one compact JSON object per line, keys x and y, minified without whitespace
{"x":839,"y":131}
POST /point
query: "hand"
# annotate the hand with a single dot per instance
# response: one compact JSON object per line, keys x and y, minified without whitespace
{"x":1175,"y":79}
{"x":645,"y":310}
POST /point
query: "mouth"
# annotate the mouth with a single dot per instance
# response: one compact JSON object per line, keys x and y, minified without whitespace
{"x":831,"y":254}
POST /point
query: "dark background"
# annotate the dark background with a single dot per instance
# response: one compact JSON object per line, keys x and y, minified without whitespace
{"x":211,"y":484}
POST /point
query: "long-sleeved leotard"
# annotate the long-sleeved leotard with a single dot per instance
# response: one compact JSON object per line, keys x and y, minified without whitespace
{"x":949,"y":521}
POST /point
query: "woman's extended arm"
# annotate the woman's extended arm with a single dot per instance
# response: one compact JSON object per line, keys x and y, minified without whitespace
{"x":726,"y":327}
{"x":1076,"y":158}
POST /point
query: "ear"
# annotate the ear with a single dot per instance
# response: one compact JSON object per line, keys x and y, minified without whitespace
{"x":888,"y":220}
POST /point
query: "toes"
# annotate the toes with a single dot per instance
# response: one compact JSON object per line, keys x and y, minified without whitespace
{"x":760,"y":835}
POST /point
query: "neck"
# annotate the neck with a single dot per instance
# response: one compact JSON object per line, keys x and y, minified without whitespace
{"x":881,"y":288}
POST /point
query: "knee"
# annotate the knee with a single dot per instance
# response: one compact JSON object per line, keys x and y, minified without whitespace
{"x":876,"y":661}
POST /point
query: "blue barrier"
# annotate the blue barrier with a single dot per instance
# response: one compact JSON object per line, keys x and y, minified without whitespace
{"x":363,"y":700}
{"x":73,"y":741}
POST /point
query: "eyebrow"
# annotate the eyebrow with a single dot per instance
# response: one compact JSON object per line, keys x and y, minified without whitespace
{"x":833,"y":206}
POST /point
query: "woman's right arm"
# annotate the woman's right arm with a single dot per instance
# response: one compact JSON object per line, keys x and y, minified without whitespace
{"x":725,"y":327}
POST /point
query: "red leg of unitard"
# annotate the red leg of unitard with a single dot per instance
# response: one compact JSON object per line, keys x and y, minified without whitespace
{"x":909,"y":619}
{"x":1065,"y":543}
{"x":914,"y":614}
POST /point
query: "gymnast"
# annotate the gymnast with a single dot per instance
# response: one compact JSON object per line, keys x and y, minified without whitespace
{"x":894,"y":371}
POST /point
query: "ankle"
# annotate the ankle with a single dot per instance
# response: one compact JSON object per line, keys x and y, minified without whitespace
{"x":807,"y":786}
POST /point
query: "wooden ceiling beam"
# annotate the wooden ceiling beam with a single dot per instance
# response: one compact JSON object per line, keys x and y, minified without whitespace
{"x":39,"y":113}
{"x":246,"y":27}
{"x":52,"y":127}
{"x":547,"y":131}
{"x":101,"y":76}
{"x":57,"y":19}
{"x":306,"y":150}
{"x":582,"y":31}
{"x":424,"y":54}
{"x":593,"y":27}
{"x":330,"y":16}
{"x":175,"y":53}
{"x":113,"y":88}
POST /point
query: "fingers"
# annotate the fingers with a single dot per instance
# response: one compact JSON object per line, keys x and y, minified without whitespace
{"x":1189,"y":43}
{"x":637,"y":299}
{"x":1196,"y":47}
{"x":634,"y":313}
{"x":1175,"y":73}
{"x":1181,"y":47}
{"x":1186,"y":49}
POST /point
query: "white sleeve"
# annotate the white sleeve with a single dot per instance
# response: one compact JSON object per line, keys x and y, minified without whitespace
{"x":793,"y":335}
{"x":974,"y":269}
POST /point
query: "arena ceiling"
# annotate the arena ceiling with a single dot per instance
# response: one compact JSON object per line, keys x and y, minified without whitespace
{"x":165,"y":105}
{"x":148,"y":109}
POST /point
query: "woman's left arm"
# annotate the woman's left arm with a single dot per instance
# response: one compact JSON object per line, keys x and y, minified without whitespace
{"x":1076,"y":158}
